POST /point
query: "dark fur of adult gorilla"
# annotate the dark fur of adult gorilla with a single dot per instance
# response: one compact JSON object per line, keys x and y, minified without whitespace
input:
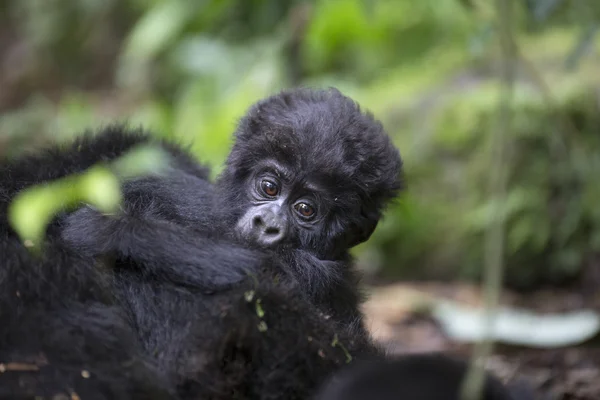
{"x":64,"y":335}
{"x":411,"y":377}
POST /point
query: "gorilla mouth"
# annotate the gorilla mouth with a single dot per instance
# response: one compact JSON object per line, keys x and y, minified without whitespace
{"x":272,"y":231}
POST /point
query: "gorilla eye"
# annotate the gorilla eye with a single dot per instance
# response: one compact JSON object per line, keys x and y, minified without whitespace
{"x":305,"y":210}
{"x":269,"y":188}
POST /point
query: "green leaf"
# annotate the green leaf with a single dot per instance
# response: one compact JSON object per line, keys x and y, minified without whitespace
{"x":33,"y":208}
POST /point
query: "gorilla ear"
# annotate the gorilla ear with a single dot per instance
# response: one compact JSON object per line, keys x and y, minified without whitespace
{"x":364,"y":233}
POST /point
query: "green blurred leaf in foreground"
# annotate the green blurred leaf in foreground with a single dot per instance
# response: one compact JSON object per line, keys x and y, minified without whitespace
{"x":33,"y":208}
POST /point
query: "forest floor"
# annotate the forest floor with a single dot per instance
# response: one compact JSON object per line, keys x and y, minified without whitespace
{"x":572,"y":372}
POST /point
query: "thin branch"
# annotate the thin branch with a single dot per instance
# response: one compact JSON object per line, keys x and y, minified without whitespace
{"x":494,"y":240}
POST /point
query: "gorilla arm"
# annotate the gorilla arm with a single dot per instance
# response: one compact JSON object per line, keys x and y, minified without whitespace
{"x":161,"y":249}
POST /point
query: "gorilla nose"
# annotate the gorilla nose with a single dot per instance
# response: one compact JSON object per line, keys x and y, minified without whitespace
{"x":268,"y":228}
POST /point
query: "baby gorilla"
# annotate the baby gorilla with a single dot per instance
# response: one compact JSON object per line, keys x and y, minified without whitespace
{"x":307,"y":179}
{"x":309,"y":162}
{"x":315,"y":173}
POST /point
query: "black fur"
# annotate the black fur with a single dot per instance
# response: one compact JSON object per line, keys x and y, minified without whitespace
{"x":323,"y":139}
{"x":318,"y":140}
{"x":261,"y":340}
{"x":413,"y":377}
{"x":320,"y":146}
{"x":62,"y":333}
{"x":175,"y":204}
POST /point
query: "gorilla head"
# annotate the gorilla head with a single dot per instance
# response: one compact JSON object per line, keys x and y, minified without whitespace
{"x":309,"y":170}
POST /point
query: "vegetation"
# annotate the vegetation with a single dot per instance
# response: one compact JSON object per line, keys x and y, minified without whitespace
{"x":428,"y":69}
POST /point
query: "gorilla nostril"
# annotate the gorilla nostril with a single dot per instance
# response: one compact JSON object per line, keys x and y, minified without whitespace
{"x":257,"y":221}
{"x":267,"y":228}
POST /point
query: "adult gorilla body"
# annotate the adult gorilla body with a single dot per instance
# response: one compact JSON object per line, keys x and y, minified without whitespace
{"x":77,"y":344}
{"x":63,"y":333}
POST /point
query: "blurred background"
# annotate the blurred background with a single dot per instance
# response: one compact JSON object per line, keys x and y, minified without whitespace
{"x":429,"y":69}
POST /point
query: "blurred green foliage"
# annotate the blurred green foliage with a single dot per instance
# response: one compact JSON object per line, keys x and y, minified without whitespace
{"x":188,"y":69}
{"x":551,"y":210}
{"x":99,"y":186}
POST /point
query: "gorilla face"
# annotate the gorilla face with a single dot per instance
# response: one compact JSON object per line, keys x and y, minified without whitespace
{"x":283,"y":208}
{"x":310,"y":170}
